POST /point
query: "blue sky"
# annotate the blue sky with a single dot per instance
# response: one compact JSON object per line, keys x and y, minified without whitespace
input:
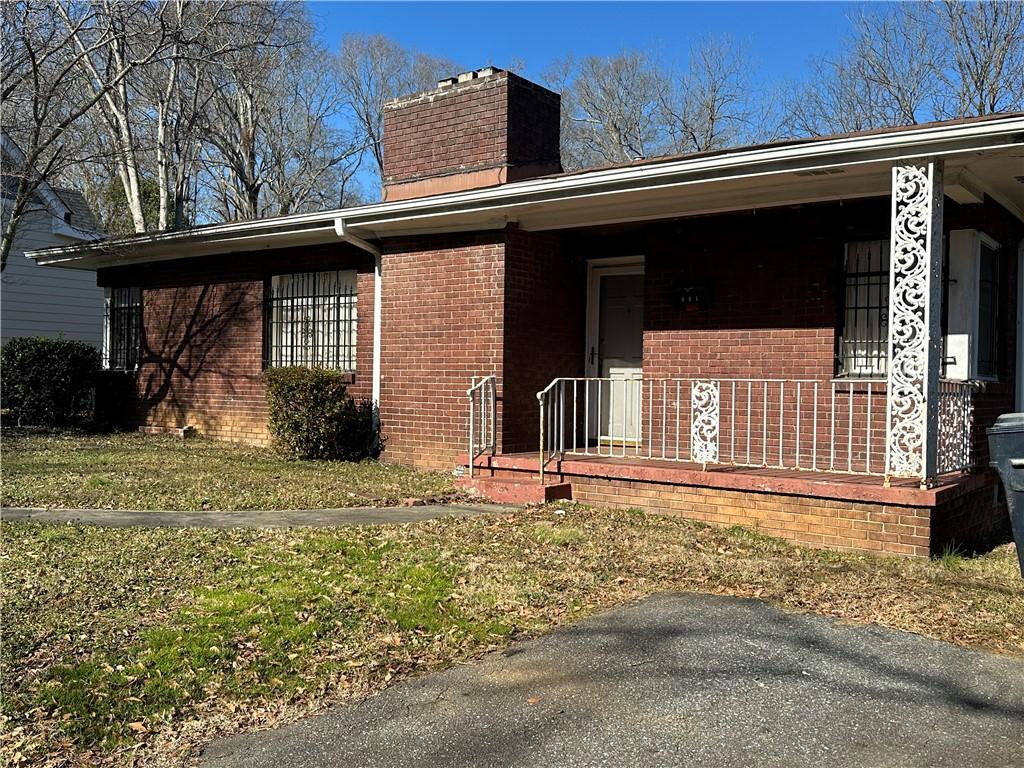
{"x":780,"y":38}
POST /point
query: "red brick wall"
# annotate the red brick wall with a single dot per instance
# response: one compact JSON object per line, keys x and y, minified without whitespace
{"x":202,"y":335}
{"x":442,"y":324}
{"x":828,"y":523}
{"x":773,"y":280}
{"x":513,"y":303}
{"x":495,"y":121}
{"x":973,"y":522}
{"x":545,"y":316}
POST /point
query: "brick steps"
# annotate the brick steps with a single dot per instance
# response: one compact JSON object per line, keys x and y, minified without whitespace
{"x":506,"y":491}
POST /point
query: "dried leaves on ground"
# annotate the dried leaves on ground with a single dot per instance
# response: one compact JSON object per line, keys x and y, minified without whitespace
{"x":133,"y":471}
{"x":133,"y":646}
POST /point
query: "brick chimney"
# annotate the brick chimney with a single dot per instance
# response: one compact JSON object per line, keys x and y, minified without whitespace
{"x":476,"y":130}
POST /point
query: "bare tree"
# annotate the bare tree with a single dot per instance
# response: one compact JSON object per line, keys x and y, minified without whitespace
{"x":611,"y":108}
{"x":274,"y":145}
{"x":983,"y":70}
{"x":116,"y":101}
{"x":710,"y":105}
{"x":308,"y":160}
{"x":911,"y":62}
{"x":629,"y":106}
{"x":374,"y":69}
{"x":42,"y":94}
{"x":836,"y":100}
{"x":177,"y":92}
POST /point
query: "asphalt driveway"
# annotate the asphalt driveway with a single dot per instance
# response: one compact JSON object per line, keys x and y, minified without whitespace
{"x":679,"y":680}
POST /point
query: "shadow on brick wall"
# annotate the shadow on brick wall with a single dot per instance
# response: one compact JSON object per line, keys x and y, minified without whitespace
{"x":202,"y":337}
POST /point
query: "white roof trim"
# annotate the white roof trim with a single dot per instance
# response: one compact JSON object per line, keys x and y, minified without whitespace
{"x":57,"y":207}
{"x":373,"y":220}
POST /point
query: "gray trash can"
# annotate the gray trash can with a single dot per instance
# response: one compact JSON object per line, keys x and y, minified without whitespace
{"x":1006,"y":448}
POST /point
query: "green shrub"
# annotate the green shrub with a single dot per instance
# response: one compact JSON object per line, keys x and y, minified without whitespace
{"x":312,"y":416}
{"x":48,"y":382}
{"x":116,"y":407}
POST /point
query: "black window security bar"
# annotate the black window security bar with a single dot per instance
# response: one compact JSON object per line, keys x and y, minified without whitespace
{"x":863,"y":344}
{"x":311,"y":320}
{"x":123,"y":328}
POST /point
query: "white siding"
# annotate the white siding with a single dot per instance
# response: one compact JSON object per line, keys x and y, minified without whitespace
{"x":47,"y":301}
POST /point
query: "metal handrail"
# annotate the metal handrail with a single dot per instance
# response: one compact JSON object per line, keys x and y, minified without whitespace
{"x":542,"y":399}
{"x":483,"y":391}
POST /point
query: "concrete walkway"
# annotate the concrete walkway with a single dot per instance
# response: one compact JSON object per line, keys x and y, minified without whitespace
{"x":317,"y":518}
{"x":679,"y":680}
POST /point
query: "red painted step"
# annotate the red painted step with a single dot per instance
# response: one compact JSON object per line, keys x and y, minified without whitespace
{"x":505,"y":491}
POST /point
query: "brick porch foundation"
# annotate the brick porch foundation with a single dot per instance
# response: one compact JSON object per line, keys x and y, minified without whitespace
{"x":850,"y":513}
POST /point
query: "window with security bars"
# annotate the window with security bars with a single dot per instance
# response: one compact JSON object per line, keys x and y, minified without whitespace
{"x":122,"y":322}
{"x":863,"y":344}
{"x":311,"y":320}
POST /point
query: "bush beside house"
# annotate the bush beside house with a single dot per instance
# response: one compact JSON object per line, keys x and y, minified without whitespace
{"x":312,"y":416}
{"x":48,"y":382}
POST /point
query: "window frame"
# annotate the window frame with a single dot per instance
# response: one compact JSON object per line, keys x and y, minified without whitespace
{"x":339,"y":351}
{"x":981,"y":240}
{"x":964,"y":332}
{"x":132,"y":310}
{"x":881,"y":356}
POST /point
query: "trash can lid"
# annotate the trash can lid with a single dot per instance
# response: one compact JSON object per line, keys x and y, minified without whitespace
{"x":1008,"y":422}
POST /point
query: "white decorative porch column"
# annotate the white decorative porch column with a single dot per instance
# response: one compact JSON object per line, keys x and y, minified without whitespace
{"x":915,"y":314}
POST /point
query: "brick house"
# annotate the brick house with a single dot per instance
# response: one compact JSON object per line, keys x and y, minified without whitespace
{"x":808,"y":337}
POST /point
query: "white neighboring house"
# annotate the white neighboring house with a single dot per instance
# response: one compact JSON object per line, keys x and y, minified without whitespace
{"x":35,"y":301}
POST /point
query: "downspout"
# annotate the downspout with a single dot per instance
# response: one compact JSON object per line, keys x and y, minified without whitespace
{"x":358,"y":242}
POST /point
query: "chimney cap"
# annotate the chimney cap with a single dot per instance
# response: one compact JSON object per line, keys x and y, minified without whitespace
{"x":465,"y":77}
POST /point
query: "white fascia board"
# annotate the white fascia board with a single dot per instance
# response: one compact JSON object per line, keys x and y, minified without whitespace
{"x":99,"y":255}
{"x":373,"y":220}
{"x":64,"y":229}
{"x":57,"y":207}
{"x":813,"y":155}
{"x":377,"y":221}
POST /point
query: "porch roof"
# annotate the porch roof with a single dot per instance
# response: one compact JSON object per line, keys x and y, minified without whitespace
{"x":984,"y":156}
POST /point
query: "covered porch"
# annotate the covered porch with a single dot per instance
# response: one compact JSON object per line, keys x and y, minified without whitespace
{"x":823,"y":371}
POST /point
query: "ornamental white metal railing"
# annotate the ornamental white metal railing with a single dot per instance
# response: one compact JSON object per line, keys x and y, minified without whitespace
{"x":956,"y":424}
{"x":483,"y":415}
{"x":809,"y":424}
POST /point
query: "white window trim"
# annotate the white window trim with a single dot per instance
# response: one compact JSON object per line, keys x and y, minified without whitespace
{"x":963,"y":320}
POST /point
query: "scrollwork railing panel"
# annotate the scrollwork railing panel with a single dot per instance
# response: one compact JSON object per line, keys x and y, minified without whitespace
{"x":704,"y":405}
{"x":916,"y":207}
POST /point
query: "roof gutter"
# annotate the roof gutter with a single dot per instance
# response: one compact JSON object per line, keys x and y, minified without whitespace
{"x":374,"y":220}
{"x":343,"y":232}
{"x":900,"y":146}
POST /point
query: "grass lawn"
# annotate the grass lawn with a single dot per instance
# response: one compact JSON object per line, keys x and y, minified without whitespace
{"x":134,"y":645}
{"x":133,"y":471}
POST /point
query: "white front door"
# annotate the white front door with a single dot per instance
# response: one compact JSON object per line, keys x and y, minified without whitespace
{"x":615,"y":351}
